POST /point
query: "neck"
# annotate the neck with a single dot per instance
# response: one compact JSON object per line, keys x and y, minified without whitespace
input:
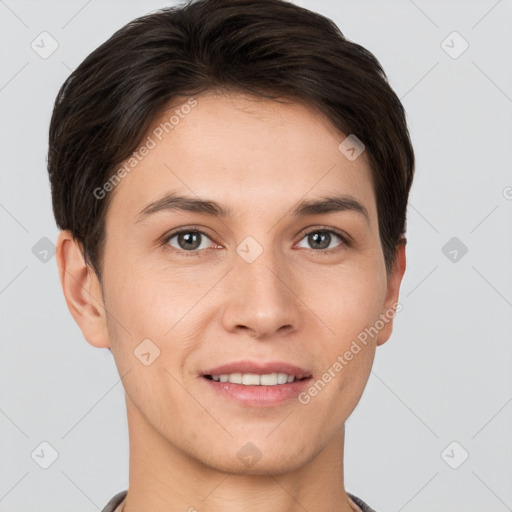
{"x":164,"y":477}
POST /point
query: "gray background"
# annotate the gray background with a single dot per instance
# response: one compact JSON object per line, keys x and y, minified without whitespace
{"x":444,"y":376}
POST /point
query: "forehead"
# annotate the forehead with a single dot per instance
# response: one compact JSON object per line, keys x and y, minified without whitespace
{"x":253,"y":154}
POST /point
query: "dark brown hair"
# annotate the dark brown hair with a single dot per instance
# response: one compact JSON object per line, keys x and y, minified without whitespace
{"x":270,"y":48}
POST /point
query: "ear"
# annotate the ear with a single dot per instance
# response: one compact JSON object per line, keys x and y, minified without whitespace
{"x":82,"y":291}
{"x":391,"y":304}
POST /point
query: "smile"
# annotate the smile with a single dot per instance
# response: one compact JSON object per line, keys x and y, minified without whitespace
{"x":252,"y":379}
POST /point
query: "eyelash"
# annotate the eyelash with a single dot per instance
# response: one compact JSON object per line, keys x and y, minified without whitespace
{"x":197,"y":252}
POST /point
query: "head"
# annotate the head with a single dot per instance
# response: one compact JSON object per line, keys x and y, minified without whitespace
{"x":292,"y":158}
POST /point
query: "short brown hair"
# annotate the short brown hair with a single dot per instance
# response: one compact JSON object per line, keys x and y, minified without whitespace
{"x":270,"y":48}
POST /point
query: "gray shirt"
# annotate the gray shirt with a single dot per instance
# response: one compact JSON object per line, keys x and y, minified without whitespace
{"x":119,"y":497}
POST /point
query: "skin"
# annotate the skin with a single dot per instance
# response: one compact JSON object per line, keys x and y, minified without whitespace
{"x":259,"y":158}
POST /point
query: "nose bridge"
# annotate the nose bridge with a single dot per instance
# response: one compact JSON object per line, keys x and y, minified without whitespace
{"x":262,"y":299}
{"x":260,"y":263}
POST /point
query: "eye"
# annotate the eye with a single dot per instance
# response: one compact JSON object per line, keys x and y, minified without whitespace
{"x":188,"y":241}
{"x":320,"y":240}
{"x":193,"y":242}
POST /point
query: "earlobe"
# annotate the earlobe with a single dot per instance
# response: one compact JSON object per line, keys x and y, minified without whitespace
{"x":82,"y":291}
{"x":390,"y":308}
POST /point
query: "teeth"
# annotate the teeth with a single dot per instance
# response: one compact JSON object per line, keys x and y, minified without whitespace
{"x":269,"y":379}
{"x":251,"y":379}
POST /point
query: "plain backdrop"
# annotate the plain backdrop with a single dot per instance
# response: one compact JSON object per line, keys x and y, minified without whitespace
{"x":433,"y":429}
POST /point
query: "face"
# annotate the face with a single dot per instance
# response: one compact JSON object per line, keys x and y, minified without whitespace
{"x":268,"y":284}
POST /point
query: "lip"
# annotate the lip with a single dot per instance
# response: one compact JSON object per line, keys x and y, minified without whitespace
{"x":255,"y":367}
{"x":258,"y":396}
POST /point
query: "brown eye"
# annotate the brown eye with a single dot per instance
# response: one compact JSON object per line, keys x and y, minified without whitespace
{"x":188,"y":240}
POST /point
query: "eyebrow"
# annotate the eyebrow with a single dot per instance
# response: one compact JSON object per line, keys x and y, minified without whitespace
{"x":175,"y":202}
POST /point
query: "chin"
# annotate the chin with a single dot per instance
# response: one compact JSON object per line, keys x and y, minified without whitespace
{"x":253,"y":459}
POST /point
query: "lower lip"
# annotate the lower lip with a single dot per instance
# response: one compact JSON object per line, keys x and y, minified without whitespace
{"x":258,"y":396}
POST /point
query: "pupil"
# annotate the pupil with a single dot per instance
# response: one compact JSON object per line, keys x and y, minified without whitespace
{"x":188,"y":239}
{"x":320,"y":239}
{"x":315,"y":237}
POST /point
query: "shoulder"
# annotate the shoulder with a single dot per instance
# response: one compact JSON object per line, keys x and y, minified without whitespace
{"x":115,"y":502}
{"x":360,"y":503}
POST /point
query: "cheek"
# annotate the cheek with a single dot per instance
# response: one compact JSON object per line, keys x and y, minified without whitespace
{"x":144,"y":300}
{"x":162,"y":307}
{"x":350,"y":306}
{"x":349,"y":301}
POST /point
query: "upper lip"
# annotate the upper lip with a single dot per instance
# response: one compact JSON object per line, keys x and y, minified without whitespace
{"x":259,"y":368}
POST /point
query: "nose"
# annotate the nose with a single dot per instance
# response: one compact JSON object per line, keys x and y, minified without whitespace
{"x":262,"y":297}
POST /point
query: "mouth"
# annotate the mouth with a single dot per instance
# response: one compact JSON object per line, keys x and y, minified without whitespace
{"x":254,"y":373}
{"x":254,"y":379}
{"x":257,"y":384}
